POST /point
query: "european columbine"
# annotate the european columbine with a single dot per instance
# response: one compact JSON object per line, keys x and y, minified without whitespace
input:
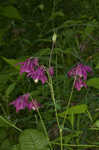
{"x":23,"y":102}
{"x":34,"y":105}
{"x":28,"y":65}
{"x":34,"y":70}
{"x":80,"y":73}
{"x":38,"y":74}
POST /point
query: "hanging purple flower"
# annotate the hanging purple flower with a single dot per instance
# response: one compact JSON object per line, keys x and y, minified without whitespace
{"x":79,"y":84}
{"x":34,"y":70}
{"x":38,"y":74}
{"x":28,"y":65}
{"x":21,"y":102}
{"x":34,"y":105}
{"x":80,"y":72}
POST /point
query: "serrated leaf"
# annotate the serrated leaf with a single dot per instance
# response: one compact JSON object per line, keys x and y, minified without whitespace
{"x":78,"y":109}
{"x":94,"y":82}
{"x":10,"y":12}
{"x":31,"y":139}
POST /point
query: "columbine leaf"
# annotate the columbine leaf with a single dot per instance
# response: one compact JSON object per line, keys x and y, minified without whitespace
{"x":94,"y":82}
{"x":10,"y":12}
{"x":78,"y":109}
{"x":31,"y":139}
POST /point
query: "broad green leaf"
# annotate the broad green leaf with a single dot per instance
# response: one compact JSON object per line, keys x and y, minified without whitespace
{"x":32,"y":139}
{"x":10,"y":12}
{"x":78,"y":109}
{"x":10,"y":89}
{"x":94,"y":82}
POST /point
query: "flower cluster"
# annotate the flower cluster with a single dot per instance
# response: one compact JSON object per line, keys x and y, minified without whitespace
{"x":22,"y":102}
{"x":79,"y":72}
{"x":34,"y":70}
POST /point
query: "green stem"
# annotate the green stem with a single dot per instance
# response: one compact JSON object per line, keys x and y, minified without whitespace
{"x":3,"y":110}
{"x":53,"y":98}
{"x":44,"y":128}
{"x":69,"y":101}
{"x":74,"y":145}
{"x":53,"y":44}
{"x":67,"y":109}
{"x":10,"y":124}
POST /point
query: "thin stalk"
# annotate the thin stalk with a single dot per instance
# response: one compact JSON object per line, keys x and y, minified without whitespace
{"x":53,"y":44}
{"x":3,"y":110}
{"x":10,"y":124}
{"x":53,"y":98}
{"x":44,"y":128}
{"x":74,"y":145}
{"x":69,"y":101}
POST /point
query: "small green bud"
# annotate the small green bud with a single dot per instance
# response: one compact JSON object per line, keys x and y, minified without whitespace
{"x":54,"y":37}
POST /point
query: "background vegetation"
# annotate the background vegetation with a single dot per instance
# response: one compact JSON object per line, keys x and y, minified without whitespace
{"x":26,"y":30}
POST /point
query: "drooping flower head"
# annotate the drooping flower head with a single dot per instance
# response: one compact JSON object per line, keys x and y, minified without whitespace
{"x":34,"y":70}
{"x":21,"y":102}
{"x":80,"y":72}
{"x":38,"y":74}
{"x":28,"y":65}
{"x":34,"y":105}
{"x":79,"y":83}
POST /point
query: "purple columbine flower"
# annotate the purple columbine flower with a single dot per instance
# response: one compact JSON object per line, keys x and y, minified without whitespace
{"x":80,"y":70}
{"x":79,"y":83}
{"x":21,"y":102}
{"x":34,"y":105}
{"x":38,"y":74}
{"x":80,"y":73}
{"x":28,"y":65}
{"x":34,"y":70}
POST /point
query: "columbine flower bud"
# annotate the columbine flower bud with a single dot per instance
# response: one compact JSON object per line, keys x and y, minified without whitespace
{"x":54,"y":37}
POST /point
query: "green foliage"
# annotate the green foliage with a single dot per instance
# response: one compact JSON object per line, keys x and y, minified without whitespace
{"x":10,"y":12}
{"x":93,"y":82}
{"x":26,"y":30}
{"x":79,"y":109}
{"x":32,"y":139}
